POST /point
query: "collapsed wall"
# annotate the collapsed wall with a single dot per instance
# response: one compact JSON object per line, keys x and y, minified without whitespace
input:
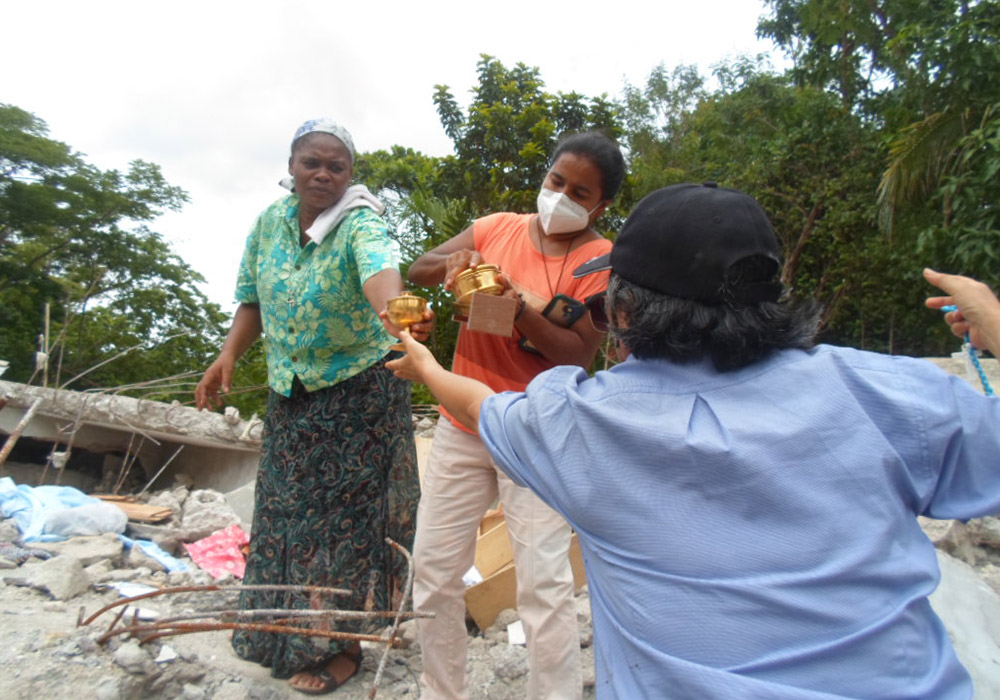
{"x":149,"y":438}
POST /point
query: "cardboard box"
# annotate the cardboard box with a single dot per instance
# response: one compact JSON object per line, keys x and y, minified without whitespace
{"x":498,"y":590}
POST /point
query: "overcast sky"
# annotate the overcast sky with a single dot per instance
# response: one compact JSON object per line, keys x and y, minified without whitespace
{"x":212,"y":91}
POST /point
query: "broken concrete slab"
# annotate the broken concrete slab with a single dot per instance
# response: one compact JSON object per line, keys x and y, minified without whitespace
{"x":88,"y":550}
{"x":168,"y":538}
{"x":154,"y":418}
{"x":985,"y":532}
{"x":62,"y":577}
{"x":136,"y":558}
{"x":9,"y":532}
{"x":98,"y":572}
{"x":146,"y":436}
{"x":134,"y":659}
{"x":205,"y":512}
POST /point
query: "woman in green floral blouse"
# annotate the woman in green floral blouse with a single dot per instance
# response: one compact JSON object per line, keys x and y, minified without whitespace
{"x":338,"y":465}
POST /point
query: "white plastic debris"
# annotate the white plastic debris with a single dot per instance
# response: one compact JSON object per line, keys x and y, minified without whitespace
{"x":472,"y":577}
{"x":515,"y":633}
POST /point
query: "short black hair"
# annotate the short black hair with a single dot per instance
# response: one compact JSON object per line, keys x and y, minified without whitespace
{"x":731,"y":335}
{"x":605,"y":154}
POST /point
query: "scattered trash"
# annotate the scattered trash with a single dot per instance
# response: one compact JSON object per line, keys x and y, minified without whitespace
{"x":12,"y":552}
{"x":144,"y":614}
{"x":138,"y":512}
{"x":221,"y":552}
{"x":128,"y":622}
{"x":515,"y":633}
{"x":154,"y":550}
{"x":54,"y":513}
{"x":472,"y":577}
{"x":166,"y":655}
{"x":130,"y":589}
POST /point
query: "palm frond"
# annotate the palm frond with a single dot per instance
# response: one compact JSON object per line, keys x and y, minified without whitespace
{"x":922,"y":154}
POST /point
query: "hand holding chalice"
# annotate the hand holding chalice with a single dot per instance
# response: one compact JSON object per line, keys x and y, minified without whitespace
{"x":405,"y":310}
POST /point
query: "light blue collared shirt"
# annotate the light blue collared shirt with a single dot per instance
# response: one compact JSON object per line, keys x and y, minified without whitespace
{"x":753,"y":534}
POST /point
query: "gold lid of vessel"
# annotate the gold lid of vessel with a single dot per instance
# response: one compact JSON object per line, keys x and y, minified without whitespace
{"x":483,"y":279}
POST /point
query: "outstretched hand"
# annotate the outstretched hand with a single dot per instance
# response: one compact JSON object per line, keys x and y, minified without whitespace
{"x":416,"y":364}
{"x":978,"y":313}
{"x":421,"y":331}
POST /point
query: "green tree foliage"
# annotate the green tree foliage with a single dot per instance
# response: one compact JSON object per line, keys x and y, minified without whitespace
{"x":925,"y":73}
{"x":75,"y":237}
{"x":814,"y":166}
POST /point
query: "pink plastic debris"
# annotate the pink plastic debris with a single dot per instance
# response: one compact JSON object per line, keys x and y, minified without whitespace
{"x":221,"y":552}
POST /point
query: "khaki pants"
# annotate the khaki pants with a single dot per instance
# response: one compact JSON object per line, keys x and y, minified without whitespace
{"x":460,"y":484}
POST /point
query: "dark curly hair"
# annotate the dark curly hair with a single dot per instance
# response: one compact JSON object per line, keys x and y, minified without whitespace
{"x":732,"y":335}
{"x":605,"y":154}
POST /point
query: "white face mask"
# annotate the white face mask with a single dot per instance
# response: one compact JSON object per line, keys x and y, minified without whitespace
{"x":560,"y":214}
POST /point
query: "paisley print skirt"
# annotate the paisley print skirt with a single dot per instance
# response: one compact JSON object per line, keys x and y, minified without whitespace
{"x":338,"y":474}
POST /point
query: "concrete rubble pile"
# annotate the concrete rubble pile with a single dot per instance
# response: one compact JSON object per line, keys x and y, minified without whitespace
{"x":46,"y":588}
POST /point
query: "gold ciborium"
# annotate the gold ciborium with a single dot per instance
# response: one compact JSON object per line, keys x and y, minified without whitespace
{"x":404,"y":311}
{"x":482,"y":279}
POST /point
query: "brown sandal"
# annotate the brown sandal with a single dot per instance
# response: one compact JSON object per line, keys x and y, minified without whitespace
{"x":330,"y":683}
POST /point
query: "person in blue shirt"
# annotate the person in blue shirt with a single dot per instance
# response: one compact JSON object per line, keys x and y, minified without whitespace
{"x":746,"y":501}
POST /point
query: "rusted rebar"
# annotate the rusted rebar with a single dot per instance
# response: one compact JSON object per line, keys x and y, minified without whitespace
{"x":285,"y":621}
{"x":289,"y":614}
{"x":159,"y":630}
{"x":211,"y":588}
{"x":407,"y":590}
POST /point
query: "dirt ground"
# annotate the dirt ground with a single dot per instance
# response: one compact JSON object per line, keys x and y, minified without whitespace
{"x":45,"y":654}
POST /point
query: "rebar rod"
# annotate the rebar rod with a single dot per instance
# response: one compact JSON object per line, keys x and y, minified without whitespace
{"x":399,"y":613}
{"x":172,"y":630}
{"x":289,"y":614}
{"x":157,"y":474}
{"x":212,"y":588}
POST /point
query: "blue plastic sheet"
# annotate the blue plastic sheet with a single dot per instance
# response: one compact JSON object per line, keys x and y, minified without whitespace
{"x":45,"y":513}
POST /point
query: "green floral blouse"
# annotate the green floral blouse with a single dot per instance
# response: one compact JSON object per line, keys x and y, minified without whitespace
{"x":318,"y":324}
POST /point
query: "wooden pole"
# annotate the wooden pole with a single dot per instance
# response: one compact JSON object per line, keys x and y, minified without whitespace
{"x":45,"y":371}
{"x":18,"y":429}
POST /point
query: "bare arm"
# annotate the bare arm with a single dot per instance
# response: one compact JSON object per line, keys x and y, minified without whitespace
{"x":242,"y":334}
{"x":978,"y":311}
{"x":443,"y":263}
{"x":576,"y":345}
{"x":462,"y":396}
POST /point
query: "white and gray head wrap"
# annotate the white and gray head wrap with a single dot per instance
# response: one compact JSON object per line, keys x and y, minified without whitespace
{"x":326,"y":126}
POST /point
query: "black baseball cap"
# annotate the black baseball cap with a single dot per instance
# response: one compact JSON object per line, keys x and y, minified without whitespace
{"x":683,"y":240}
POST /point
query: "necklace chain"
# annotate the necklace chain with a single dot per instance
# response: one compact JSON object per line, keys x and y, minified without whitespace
{"x":545,"y":263}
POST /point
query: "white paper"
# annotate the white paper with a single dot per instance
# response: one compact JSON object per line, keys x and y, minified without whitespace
{"x":472,"y":577}
{"x":515,"y":633}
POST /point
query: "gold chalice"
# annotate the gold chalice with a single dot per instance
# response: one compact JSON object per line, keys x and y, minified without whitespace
{"x":404,"y":311}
